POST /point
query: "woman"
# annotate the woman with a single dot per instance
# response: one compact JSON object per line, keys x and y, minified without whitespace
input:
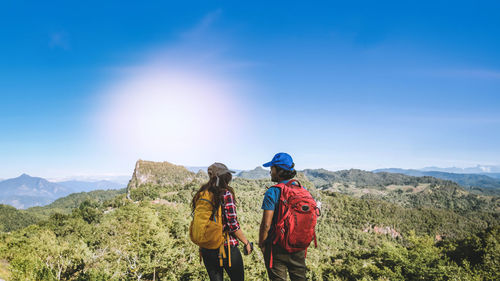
{"x":224,"y":196}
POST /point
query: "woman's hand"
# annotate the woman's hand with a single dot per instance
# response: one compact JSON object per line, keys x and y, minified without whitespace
{"x":248,"y":248}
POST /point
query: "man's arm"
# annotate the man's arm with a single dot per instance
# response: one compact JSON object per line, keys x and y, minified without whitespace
{"x":265,"y":225}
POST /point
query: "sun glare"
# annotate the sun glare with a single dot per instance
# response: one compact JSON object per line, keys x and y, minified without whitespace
{"x":169,"y":112}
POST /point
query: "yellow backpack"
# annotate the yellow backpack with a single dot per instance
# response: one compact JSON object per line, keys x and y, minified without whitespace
{"x":206,"y":230}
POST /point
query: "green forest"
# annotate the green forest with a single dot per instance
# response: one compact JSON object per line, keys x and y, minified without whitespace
{"x":434,"y":231}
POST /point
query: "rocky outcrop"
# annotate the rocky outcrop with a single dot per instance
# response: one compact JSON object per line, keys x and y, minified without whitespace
{"x":257,"y":173}
{"x":159,"y":173}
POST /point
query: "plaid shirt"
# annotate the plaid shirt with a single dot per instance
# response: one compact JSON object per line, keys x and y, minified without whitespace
{"x":229,"y":218}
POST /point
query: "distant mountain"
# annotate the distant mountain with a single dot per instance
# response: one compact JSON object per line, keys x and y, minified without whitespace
{"x":257,"y":173}
{"x":492,"y":175}
{"x":466,"y":180}
{"x":26,"y":191}
{"x":84,"y":186}
{"x":121,"y":179}
{"x":25,"y":201}
{"x":478,"y":169}
{"x":32,"y":186}
{"x":408,"y":172}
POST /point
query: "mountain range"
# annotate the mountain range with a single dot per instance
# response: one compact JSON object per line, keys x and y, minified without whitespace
{"x":478,"y":169}
{"x":486,"y":181}
{"x":26,"y":191}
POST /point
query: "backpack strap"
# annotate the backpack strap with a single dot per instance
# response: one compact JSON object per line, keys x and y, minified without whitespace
{"x":222,"y":252}
{"x":222,"y":255}
{"x":290,"y":182}
{"x":271,"y":258}
{"x":228,"y":250}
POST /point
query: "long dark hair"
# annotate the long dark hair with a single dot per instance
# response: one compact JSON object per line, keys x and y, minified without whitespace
{"x":217,"y":190}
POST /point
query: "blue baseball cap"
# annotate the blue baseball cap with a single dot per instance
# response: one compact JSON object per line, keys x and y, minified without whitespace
{"x":283,"y":160}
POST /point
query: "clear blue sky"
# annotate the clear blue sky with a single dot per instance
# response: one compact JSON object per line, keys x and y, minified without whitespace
{"x":89,"y":87}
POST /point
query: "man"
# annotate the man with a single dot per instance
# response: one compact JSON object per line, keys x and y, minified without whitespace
{"x":282,"y":170}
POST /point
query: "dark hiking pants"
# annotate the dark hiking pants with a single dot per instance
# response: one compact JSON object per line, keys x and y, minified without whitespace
{"x":211,"y":261}
{"x":294,"y":263}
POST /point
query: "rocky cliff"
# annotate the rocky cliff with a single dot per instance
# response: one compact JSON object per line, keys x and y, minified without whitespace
{"x":161,"y":174}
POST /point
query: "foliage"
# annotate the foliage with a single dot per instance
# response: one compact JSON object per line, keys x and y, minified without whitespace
{"x":12,"y":218}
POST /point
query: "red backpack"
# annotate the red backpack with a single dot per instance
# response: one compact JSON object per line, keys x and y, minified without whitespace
{"x":297,"y":216}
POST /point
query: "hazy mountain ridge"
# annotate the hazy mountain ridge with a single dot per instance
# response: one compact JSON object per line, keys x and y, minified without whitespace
{"x":86,"y":186}
{"x":482,"y":181}
{"x":478,"y":169}
{"x":407,"y":191}
{"x":33,"y":186}
{"x":26,"y":191}
{"x":323,"y":178}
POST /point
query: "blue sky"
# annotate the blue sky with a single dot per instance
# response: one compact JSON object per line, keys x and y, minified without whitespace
{"x":87,"y":88}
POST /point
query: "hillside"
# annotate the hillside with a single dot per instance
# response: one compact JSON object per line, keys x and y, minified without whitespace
{"x":66,"y":204}
{"x":478,"y":181}
{"x":324,"y":179}
{"x":146,"y":238}
{"x":407,"y":191}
